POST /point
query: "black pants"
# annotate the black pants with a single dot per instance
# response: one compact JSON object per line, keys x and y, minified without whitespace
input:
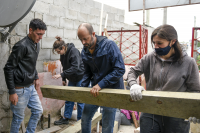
{"x":150,"y":123}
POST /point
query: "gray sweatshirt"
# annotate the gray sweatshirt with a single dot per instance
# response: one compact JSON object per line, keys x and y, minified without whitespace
{"x":166,"y":75}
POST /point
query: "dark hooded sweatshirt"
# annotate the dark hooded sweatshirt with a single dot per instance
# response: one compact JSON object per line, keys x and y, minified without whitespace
{"x":73,"y":68}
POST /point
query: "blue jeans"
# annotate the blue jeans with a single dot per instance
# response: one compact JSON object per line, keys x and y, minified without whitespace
{"x":27,"y":97}
{"x":108,"y":118}
{"x":69,"y":105}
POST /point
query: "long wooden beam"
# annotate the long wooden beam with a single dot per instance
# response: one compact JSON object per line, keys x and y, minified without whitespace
{"x":173,"y":104}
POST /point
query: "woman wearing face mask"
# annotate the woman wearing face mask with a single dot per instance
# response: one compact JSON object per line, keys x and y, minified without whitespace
{"x":168,"y":68}
{"x":73,"y":70}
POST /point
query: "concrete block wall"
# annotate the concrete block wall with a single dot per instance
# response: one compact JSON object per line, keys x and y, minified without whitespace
{"x":62,"y":18}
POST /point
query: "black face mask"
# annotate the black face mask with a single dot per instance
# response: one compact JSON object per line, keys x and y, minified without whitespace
{"x":163,"y":51}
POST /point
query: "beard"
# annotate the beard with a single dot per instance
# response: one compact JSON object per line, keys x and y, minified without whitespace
{"x":90,"y":44}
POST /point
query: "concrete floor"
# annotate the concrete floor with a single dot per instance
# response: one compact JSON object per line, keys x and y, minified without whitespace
{"x":126,"y":129}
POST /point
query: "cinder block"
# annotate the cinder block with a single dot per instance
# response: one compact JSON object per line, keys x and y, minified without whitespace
{"x":20,"y":29}
{"x":116,"y":24}
{"x":77,"y":43}
{"x":95,"y":12}
{"x":116,"y":17}
{"x":109,"y":23}
{"x":107,"y":8}
{"x":38,"y":15}
{"x":97,"y":5}
{"x":28,"y":18}
{"x":5,"y":101}
{"x":40,"y":66}
{"x":57,"y":11}
{"x":113,"y":10}
{"x":70,"y":14}
{"x":53,"y":32}
{"x":82,"y":17}
{"x":47,"y":1}
{"x":80,"y":1}
{"x":96,"y":28}
{"x":66,"y":23}
{"x":120,"y":12}
{"x":47,"y":42}
{"x":111,"y":16}
{"x":77,"y":23}
{"x":85,"y":9}
{"x":41,"y":7}
{"x":44,"y":54}
{"x":89,"y":2}
{"x":54,"y":56}
{"x":70,"y":34}
{"x":63,"y":3}
{"x":121,"y":18}
{"x":92,"y":19}
{"x":73,"y":5}
{"x":51,"y":20}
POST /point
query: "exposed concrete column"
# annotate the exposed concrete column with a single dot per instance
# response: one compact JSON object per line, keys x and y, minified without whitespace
{"x":164,"y":15}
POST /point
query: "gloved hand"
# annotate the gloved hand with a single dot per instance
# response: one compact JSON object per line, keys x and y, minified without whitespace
{"x":136,"y":92}
{"x":194,"y":120}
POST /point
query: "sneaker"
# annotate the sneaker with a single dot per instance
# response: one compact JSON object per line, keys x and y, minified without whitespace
{"x":61,"y":121}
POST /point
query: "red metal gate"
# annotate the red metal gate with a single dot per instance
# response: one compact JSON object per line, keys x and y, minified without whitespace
{"x":133,"y":44}
{"x":195,"y":47}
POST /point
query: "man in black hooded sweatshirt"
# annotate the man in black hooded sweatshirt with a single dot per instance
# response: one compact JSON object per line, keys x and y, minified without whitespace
{"x":73,"y":70}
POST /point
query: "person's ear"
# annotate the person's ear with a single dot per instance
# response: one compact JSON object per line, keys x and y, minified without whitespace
{"x":63,"y":47}
{"x":173,"y":41}
{"x":93,"y":34}
{"x":30,"y":30}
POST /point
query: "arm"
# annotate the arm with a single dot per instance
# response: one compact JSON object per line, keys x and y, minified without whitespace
{"x":117,"y":62}
{"x":192,"y":81}
{"x":17,"y":54}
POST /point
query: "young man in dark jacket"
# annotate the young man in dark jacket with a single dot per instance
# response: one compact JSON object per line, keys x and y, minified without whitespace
{"x":104,"y":68}
{"x":20,"y":75}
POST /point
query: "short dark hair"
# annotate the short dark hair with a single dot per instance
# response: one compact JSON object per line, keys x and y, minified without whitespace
{"x":37,"y":24}
{"x":88,"y":26}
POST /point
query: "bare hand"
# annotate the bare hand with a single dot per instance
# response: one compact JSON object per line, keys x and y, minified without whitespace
{"x":95,"y":90}
{"x":56,"y":76}
{"x":13,"y":98}
{"x":37,"y":83}
{"x":64,"y":83}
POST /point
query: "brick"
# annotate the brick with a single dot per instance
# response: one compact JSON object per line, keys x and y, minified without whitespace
{"x":47,"y":42}
{"x":73,"y":5}
{"x":70,"y":34}
{"x":38,"y":15}
{"x":57,"y":11}
{"x":113,"y":10}
{"x":54,"y":56}
{"x":109,"y":23}
{"x":121,"y":18}
{"x":95,"y":12}
{"x":92,"y":19}
{"x":66,"y":23}
{"x":47,"y":1}
{"x":107,"y":8}
{"x":96,"y":28}
{"x":20,"y":29}
{"x":77,"y":23}
{"x":82,"y":17}
{"x":89,"y":2}
{"x":70,"y":14}
{"x":41,"y":7}
{"x":53,"y":32}
{"x":51,"y":20}
{"x":111,"y":16}
{"x":97,"y":5}
{"x":85,"y":9}
{"x":78,"y":44}
{"x":44,"y":54}
{"x":28,"y":18}
{"x":63,"y":3}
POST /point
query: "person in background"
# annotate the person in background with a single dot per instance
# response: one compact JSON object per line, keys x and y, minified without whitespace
{"x":73,"y":70}
{"x":21,"y":76}
{"x":167,"y":68}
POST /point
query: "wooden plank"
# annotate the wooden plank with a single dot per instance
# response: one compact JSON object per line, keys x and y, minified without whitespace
{"x":173,"y":104}
{"x":115,"y":129}
{"x":77,"y":126}
{"x":23,"y":127}
{"x":50,"y":130}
